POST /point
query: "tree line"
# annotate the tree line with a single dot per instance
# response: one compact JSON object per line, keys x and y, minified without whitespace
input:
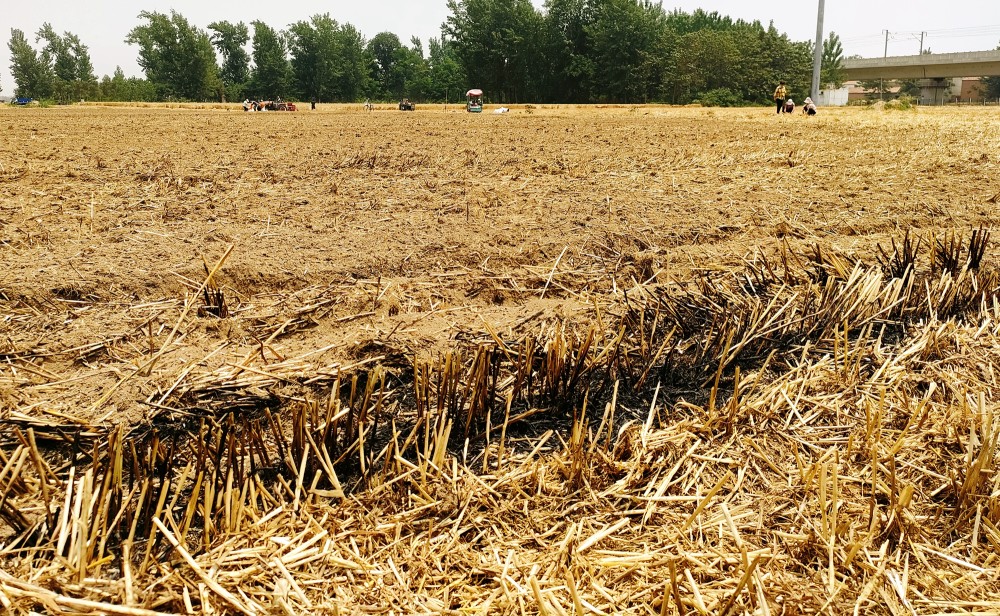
{"x":627,"y":51}
{"x":570,"y":51}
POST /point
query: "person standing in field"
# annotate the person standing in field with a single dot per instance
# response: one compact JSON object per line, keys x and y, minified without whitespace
{"x":779,"y":96}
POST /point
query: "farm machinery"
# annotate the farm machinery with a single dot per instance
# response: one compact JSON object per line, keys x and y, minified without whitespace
{"x":474,"y":101}
{"x":407,"y":105}
{"x":275,"y":105}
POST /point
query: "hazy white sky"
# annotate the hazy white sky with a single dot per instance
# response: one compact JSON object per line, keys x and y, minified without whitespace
{"x":970,"y":25}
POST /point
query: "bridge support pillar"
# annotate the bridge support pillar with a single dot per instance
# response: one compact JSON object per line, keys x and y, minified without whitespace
{"x":936,"y":91}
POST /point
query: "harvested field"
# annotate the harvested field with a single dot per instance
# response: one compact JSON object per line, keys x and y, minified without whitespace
{"x":563,"y":360}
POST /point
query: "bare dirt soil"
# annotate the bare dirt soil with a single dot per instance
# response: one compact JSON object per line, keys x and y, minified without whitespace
{"x":436,"y":221}
{"x":341,"y":238}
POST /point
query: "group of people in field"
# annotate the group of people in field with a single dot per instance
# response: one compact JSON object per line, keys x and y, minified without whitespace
{"x":785,"y":104}
{"x":255,"y":105}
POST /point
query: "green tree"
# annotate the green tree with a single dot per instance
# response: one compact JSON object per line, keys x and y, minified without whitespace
{"x":497,"y":43}
{"x":398,"y":71}
{"x":69,"y":59}
{"x":328,"y":60}
{"x":909,"y":87}
{"x":687,"y":23}
{"x":624,"y":51}
{"x":313,"y":48}
{"x":753,"y":75}
{"x":706,"y":61}
{"x":111,"y":88}
{"x":414,"y":71}
{"x":445,"y":74}
{"x":388,"y":82}
{"x":832,"y":67}
{"x":230,"y":40}
{"x":718,"y":60}
{"x":628,"y":48}
{"x":81,"y":53}
{"x":271,"y":71}
{"x":569,"y":72}
{"x":791,"y":61}
{"x":991,"y":86}
{"x":878,"y":89}
{"x":33,"y":75}
{"x":351,"y":66}
{"x":177,"y":57}
{"x":56,"y":53}
{"x":121,"y":88}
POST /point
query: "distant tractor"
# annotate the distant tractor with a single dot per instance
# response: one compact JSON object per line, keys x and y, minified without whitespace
{"x":474,"y":101}
{"x":407,"y":105}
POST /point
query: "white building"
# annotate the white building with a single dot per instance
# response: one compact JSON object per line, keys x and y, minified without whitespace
{"x":832,"y":97}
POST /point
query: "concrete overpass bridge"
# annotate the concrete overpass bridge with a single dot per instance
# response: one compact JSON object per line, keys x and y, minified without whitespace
{"x":925,"y":66}
{"x":935,"y":73}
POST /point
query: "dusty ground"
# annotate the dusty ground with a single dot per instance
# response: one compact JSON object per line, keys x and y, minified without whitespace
{"x":345,"y":237}
{"x":434,"y":221}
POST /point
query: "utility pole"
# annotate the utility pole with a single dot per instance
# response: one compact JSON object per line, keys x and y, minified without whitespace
{"x":885,"y":54}
{"x":922,"y":34}
{"x":818,"y":53}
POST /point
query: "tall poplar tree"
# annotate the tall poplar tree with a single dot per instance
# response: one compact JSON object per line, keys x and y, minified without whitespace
{"x":498,"y":44}
{"x":177,"y":57}
{"x":313,"y":48}
{"x":269,"y":77}
{"x":230,"y":40}
{"x":69,"y":60}
{"x":33,"y":76}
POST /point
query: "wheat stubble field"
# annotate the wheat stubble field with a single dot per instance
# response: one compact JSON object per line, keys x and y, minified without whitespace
{"x":559,"y":361}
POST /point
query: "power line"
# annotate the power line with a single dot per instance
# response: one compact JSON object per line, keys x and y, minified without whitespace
{"x":964,"y":32}
{"x":968,"y":29}
{"x":867,"y":44}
